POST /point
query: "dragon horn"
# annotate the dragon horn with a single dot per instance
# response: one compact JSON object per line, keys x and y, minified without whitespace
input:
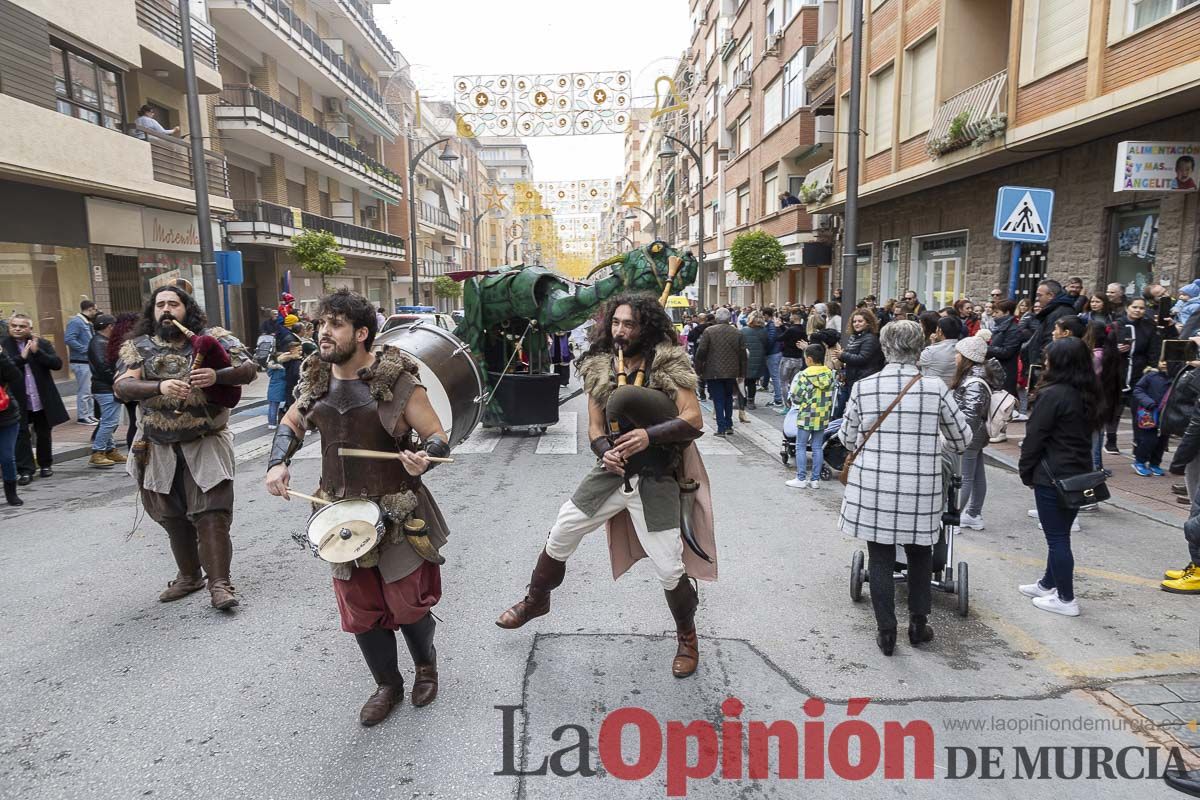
{"x":414,"y":531}
{"x":608,"y":262}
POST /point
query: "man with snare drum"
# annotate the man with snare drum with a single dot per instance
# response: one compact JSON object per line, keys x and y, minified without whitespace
{"x":366,"y":400}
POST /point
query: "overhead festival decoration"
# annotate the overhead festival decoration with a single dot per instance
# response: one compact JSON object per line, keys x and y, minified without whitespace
{"x":553,"y":104}
{"x":576,"y":197}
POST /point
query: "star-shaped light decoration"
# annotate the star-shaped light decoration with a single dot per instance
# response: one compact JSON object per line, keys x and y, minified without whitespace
{"x":494,"y":198}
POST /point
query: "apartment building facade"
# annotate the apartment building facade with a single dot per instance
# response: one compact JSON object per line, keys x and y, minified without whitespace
{"x":91,"y":206}
{"x":749,"y":120}
{"x":509,"y":163}
{"x":963,"y":97}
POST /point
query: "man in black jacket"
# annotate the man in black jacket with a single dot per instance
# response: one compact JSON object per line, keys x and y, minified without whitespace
{"x":1056,"y":303}
{"x":43,"y":407}
{"x":1006,"y":342}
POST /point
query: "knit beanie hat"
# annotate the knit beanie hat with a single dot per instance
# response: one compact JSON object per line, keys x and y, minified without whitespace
{"x":290,"y":320}
{"x":973,"y":348}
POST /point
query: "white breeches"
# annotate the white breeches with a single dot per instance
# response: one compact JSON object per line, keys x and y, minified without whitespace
{"x":664,"y":548}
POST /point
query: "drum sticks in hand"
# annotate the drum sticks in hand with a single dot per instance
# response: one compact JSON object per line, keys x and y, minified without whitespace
{"x":353,"y":452}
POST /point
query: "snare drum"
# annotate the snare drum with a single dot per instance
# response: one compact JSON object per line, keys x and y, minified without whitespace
{"x":448,"y":372}
{"x":345,"y":531}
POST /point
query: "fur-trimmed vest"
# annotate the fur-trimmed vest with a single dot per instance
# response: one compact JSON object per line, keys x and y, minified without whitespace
{"x":391,"y":364}
{"x":670,"y":372}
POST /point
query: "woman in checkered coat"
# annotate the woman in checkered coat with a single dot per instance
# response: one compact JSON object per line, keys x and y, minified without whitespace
{"x":895,"y":494}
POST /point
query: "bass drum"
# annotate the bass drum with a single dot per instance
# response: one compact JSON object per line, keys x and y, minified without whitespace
{"x":448,"y":371}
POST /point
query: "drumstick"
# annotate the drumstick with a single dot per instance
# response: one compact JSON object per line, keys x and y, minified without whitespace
{"x":308,"y":497}
{"x":385,"y":455}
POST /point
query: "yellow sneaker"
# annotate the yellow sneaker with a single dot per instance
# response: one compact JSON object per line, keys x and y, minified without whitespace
{"x":1188,"y":583}
{"x":1176,"y":574}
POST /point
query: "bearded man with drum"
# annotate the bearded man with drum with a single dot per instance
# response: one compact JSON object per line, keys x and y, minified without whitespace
{"x":372,"y":400}
{"x":183,"y":457}
{"x":635,"y":487}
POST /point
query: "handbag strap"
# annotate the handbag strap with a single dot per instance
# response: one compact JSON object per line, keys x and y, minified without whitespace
{"x":879,"y":420}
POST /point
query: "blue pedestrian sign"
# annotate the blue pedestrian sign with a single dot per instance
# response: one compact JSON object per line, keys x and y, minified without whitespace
{"x":1023,"y":214}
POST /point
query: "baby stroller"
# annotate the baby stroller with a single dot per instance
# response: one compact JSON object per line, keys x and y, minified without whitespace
{"x":947,"y":576}
{"x":832,"y":451}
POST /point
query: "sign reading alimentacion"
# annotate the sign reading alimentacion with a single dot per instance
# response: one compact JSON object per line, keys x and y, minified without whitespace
{"x":1156,"y":167}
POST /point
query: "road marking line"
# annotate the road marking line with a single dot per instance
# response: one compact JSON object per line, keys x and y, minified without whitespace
{"x":1118,"y":577}
{"x":247,"y":424}
{"x":561,"y":438}
{"x":480,"y":441}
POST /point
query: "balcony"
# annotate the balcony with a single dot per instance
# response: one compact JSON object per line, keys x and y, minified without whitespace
{"x":248,"y":114}
{"x":353,"y":20}
{"x":171,"y":162}
{"x":435,"y":216}
{"x":432,"y":267}
{"x":823,"y":63}
{"x":270,"y":26}
{"x":260,"y":222}
{"x":442,"y":169}
{"x":161,"y":17}
{"x":973,"y":116}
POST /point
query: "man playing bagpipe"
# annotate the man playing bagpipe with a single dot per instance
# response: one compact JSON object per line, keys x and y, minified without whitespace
{"x":185,"y":377}
{"x":649,"y":486}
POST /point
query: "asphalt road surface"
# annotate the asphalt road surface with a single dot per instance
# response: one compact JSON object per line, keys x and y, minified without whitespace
{"x":111,"y":694}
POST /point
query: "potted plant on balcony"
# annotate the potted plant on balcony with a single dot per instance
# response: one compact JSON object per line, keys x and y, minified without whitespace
{"x":757,"y":256}
{"x":316,"y":251}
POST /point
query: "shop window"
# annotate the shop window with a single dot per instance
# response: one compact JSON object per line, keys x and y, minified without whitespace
{"x":862,"y":271}
{"x":86,"y":89}
{"x":44,"y":282}
{"x":889,"y":271}
{"x":940,"y":261}
{"x":1133,"y":247}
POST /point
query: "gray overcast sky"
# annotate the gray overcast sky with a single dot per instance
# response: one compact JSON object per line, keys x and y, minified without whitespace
{"x":443,"y":38}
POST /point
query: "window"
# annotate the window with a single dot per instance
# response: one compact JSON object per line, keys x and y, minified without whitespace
{"x":770,"y":192}
{"x":862,"y":271}
{"x":1134,"y":246}
{"x":793,"y":82}
{"x":86,"y":89}
{"x":730,"y":209}
{"x":1059,"y":31}
{"x":889,"y":271}
{"x":1147,"y":12}
{"x":939,"y":265}
{"x":880,"y":97}
{"x":710,"y":44}
{"x":843,"y":124}
{"x":773,"y":105}
{"x":920,"y":79}
{"x":742,"y":142}
{"x":743,"y":205}
{"x":795,"y":183}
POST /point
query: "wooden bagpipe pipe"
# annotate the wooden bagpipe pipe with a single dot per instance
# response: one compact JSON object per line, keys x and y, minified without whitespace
{"x":209,"y":353}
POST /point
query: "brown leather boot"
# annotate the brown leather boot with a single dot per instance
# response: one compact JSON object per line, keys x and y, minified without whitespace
{"x":115,"y":456}
{"x":379,"y":651}
{"x":547,"y":575}
{"x":682,"y":600}
{"x":419,"y":638}
{"x":182,"y":537}
{"x":216,"y":554}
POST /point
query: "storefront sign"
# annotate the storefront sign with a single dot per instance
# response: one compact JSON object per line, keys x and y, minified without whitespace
{"x":165,"y":230}
{"x":1156,"y":167}
{"x":164,"y":279}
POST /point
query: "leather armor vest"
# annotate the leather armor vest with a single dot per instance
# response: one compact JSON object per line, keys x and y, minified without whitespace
{"x":165,"y":420}
{"x":348,"y":416}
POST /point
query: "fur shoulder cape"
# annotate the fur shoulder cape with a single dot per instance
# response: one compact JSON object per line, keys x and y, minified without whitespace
{"x":391,"y":364}
{"x":130,"y":353}
{"x":670,"y":371}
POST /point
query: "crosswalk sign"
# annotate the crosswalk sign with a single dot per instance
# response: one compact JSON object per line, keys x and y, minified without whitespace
{"x":1023,"y":214}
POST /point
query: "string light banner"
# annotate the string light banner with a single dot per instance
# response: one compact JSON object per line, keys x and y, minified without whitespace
{"x":552,"y":104}
{"x":576,"y":197}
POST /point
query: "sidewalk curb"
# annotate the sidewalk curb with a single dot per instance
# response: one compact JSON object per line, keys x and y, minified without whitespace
{"x":1009,"y":464}
{"x":85,"y":450}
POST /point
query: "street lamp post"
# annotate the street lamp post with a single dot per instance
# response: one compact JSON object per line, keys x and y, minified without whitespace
{"x":631,"y":217}
{"x":208,"y":259}
{"x":667,"y":151}
{"x":446,"y":155}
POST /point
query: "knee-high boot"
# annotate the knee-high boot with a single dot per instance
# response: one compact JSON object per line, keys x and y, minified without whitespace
{"x":419,"y":638}
{"x":683,"y":600}
{"x":547,"y":576}
{"x":182,"y":536}
{"x":216,"y":554}
{"x":378,"y":647}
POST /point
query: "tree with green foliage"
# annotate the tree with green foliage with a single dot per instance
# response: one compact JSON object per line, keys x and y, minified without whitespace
{"x":445,"y":286}
{"x":316,"y":251}
{"x":757,"y":256}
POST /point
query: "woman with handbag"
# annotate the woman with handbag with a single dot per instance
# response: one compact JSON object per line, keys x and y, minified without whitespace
{"x":893,"y":475}
{"x":1056,"y":460}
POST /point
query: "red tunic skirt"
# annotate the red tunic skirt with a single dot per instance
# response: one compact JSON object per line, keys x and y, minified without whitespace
{"x":366,"y":601}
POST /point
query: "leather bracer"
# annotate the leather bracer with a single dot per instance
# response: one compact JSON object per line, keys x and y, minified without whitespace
{"x":601,"y":445}
{"x":437,"y":447}
{"x":237,"y":376}
{"x":283,"y":446}
{"x":674,"y":431}
{"x":129,"y":390}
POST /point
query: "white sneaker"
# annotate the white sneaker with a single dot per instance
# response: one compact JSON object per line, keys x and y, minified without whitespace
{"x":967,"y":521}
{"x":86,"y":421}
{"x":1056,"y":605}
{"x":271,"y":427}
{"x":1036,"y":590}
{"x":814,"y":484}
{"x":1032,"y":512}
{"x":1090,"y":507}
{"x":1019,"y":417}
{"x":796,"y":483}
{"x":998,"y":439}
{"x":1074,"y":527}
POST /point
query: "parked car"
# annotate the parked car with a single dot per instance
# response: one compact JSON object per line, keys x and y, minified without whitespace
{"x":444,"y":321}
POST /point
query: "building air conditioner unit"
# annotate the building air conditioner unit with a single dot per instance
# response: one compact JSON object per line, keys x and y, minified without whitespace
{"x":334,"y":105}
{"x":743,"y":80}
{"x":774,"y":43}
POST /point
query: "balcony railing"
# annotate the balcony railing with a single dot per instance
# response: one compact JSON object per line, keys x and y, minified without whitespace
{"x":974,"y":114}
{"x":249,"y":103}
{"x":823,"y":63}
{"x":442,"y":168}
{"x":359,"y":11}
{"x":161,"y":17}
{"x":171,"y":161}
{"x":432,"y":267}
{"x":276,"y":12}
{"x":264,"y":216}
{"x":436,"y":216}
